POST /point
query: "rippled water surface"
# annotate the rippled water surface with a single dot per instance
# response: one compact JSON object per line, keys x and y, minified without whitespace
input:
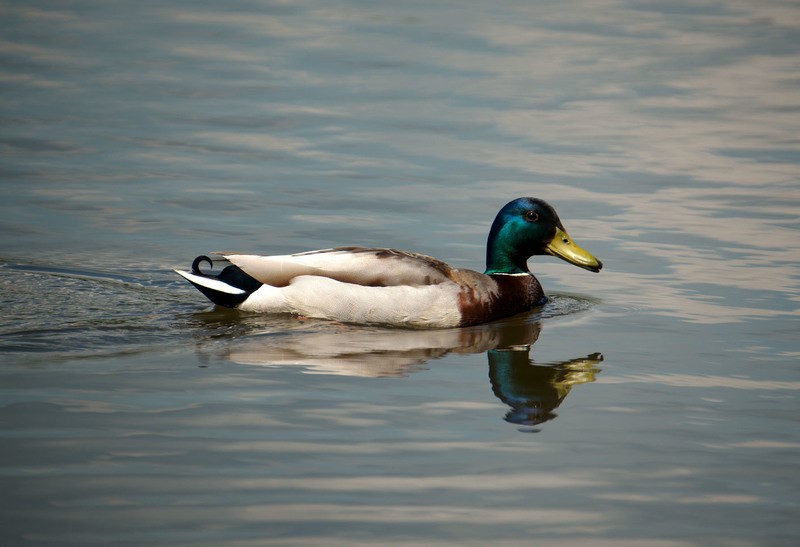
{"x":655,"y":403}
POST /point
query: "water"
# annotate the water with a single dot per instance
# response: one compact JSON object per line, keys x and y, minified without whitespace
{"x":654,"y":403}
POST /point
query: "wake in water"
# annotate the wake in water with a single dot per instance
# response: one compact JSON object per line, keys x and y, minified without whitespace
{"x":68,"y":311}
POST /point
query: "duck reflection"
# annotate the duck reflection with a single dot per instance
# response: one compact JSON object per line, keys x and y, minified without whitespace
{"x":531,"y":391}
{"x":346,"y":350}
{"x":534,"y":391}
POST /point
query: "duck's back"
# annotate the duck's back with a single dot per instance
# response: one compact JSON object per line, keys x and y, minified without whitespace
{"x":370,"y":267}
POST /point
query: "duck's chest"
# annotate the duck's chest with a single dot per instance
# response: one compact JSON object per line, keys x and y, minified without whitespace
{"x":514,"y":293}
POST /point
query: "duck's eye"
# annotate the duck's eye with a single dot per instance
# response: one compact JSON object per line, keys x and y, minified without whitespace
{"x":531,"y":216}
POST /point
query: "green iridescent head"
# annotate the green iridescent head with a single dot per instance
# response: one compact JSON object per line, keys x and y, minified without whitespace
{"x":527,"y":227}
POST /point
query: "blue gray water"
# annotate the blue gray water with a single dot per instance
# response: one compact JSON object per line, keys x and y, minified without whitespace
{"x":655,"y":403}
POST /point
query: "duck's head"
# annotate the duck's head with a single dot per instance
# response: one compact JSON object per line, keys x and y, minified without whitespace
{"x":527,"y":227}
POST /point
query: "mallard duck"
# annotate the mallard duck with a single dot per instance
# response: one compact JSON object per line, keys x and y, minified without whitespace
{"x":391,"y":287}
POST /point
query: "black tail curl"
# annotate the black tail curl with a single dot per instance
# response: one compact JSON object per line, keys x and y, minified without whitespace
{"x":199,"y":260}
{"x":230,"y":275}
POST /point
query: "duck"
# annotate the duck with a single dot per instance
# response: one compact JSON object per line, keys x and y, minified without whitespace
{"x":384,"y":286}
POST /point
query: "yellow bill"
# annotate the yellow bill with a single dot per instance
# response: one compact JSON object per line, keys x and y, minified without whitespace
{"x":563,"y":247}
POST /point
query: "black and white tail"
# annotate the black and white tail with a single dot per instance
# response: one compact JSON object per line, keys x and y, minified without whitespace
{"x":229,"y":288}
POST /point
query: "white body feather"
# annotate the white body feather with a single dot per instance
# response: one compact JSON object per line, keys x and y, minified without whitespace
{"x":325,"y":298}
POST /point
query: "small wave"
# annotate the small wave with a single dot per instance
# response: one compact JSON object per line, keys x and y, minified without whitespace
{"x":562,"y":304}
{"x":60,"y":271}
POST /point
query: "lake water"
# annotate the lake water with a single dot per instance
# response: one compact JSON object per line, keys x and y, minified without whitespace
{"x":655,"y":403}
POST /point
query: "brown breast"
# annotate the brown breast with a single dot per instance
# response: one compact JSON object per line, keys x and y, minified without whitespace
{"x":508,"y":295}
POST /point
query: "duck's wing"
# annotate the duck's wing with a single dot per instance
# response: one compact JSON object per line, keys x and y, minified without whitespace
{"x":357,"y":265}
